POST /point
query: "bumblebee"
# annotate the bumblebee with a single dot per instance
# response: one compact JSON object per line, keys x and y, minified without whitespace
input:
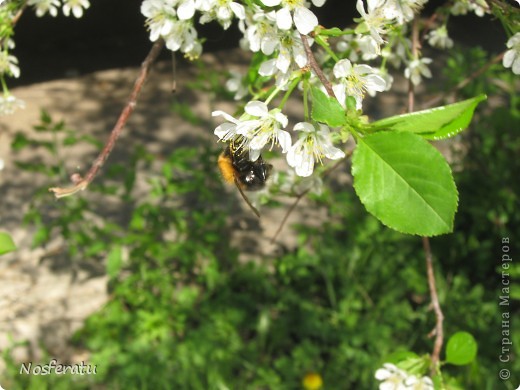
{"x":236,"y":167}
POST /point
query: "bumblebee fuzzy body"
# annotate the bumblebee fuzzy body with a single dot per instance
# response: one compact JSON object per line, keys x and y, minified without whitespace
{"x":236,"y":167}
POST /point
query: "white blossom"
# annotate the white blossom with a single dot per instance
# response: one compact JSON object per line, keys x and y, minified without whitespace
{"x":512,"y":56}
{"x":227,"y":130}
{"x":402,"y":11}
{"x":269,"y":68}
{"x":374,"y":20}
{"x":186,"y":9}
{"x":355,"y":81}
{"x":479,"y":7}
{"x":45,"y":6}
{"x":161,"y":16}
{"x":183,"y":36}
{"x":235,"y":84}
{"x":220,"y":10}
{"x":261,"y":126}
{"x":439,"y":38}
{"x":76,"y":6}
{"x":313,"y":145}
{"x":295,"y":11}
{"x":262,"y":33}
{"x":392,"y":377}
{"x":9,"y":104}
{"x":462,"y":7}
{"x":417,"y":69}
{"x":414,"y":383}
{"x":9,"y":64}
{"x":290,"y":51}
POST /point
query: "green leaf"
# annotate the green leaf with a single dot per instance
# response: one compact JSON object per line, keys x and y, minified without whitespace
{"x":114,"y":261}
{"x":6,"y":243}
{"x":436,"y":123}
{"x":326,"y":109}
{"x":405,"y":182}
{"x":461,"y":349}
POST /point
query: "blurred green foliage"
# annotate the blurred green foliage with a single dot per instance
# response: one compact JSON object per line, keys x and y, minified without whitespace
{"x":186,"y":312}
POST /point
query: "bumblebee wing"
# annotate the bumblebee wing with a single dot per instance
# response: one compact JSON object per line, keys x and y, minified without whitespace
{"x":246,"y":198}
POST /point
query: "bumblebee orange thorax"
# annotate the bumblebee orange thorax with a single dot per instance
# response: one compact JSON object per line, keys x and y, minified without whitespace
{"x":225,"y":164}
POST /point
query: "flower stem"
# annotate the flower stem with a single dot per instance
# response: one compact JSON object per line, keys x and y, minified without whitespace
{"x":83,"y":183}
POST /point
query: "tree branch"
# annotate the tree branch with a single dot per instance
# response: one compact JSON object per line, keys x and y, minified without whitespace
{"x":81,"y":183}
{"x":315,"y":67}
{"x":438,"y":331}
{"x":436,"y":100}
{"x":301,"y":195}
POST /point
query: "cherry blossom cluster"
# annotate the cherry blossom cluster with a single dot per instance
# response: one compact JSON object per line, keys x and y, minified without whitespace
{"x":8,"y":62}
{"x":276,"y":29}
{"x":392,"y":377}
{"x":279,"y":30}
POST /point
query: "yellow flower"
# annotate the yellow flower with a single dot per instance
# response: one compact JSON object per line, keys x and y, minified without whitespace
{"x":312,"y":381}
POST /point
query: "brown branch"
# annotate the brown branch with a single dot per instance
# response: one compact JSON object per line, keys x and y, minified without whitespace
{"x":438,"y":331}
{"x":81,"y":183}
{"x":18,"y":15}
{"x":315,"y":67}
{"x":436,"y":100}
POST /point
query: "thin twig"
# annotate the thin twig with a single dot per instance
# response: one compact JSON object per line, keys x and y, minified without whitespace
{"x":315,"y":67}
{"x":82,"y":183}
{"x":18,"y":14}
{"x":438,"y":331}
{"x":436,"y":100}
{"x":300,"y":196}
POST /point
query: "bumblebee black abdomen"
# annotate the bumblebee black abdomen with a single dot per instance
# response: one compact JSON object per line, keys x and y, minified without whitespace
{"x":235,"y":166}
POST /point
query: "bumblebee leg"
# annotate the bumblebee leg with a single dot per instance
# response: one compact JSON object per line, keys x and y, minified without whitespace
{"x":246,"y":198}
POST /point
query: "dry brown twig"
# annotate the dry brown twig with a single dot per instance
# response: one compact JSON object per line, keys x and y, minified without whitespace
{"x":438,"y":331}
{"x":81,"y":183}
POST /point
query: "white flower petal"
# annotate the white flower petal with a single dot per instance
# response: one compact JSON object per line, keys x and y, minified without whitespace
{"x":284,"y":139}
{"x":343,"y":68}
{"x":283,"y":62}
{"x":516,"y":66}
{"x":340,"y":91}
{"x":225,"y":115}
{"x":267,"y":68}
{"x":281,"y":118}
{"x":254,"y":154}
{"x":246,"y":127}
{"x":305,"y":20}
{"x":260,"y":140}
{"x":283,"y":19}
{"x":304,"y":126}
{"x":256,"y":108}
{"x":186,"y":10}
{"x":225,"y":131}
{"x":306,"y":166}
{"x":268,"y":45}
{"x":271,"y":3}
{"x":300,"y":57}
{"x":318,"y":3}
{"x":238,"y":10}
{"x":333,"y":153}
{"x":374,"y":82}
